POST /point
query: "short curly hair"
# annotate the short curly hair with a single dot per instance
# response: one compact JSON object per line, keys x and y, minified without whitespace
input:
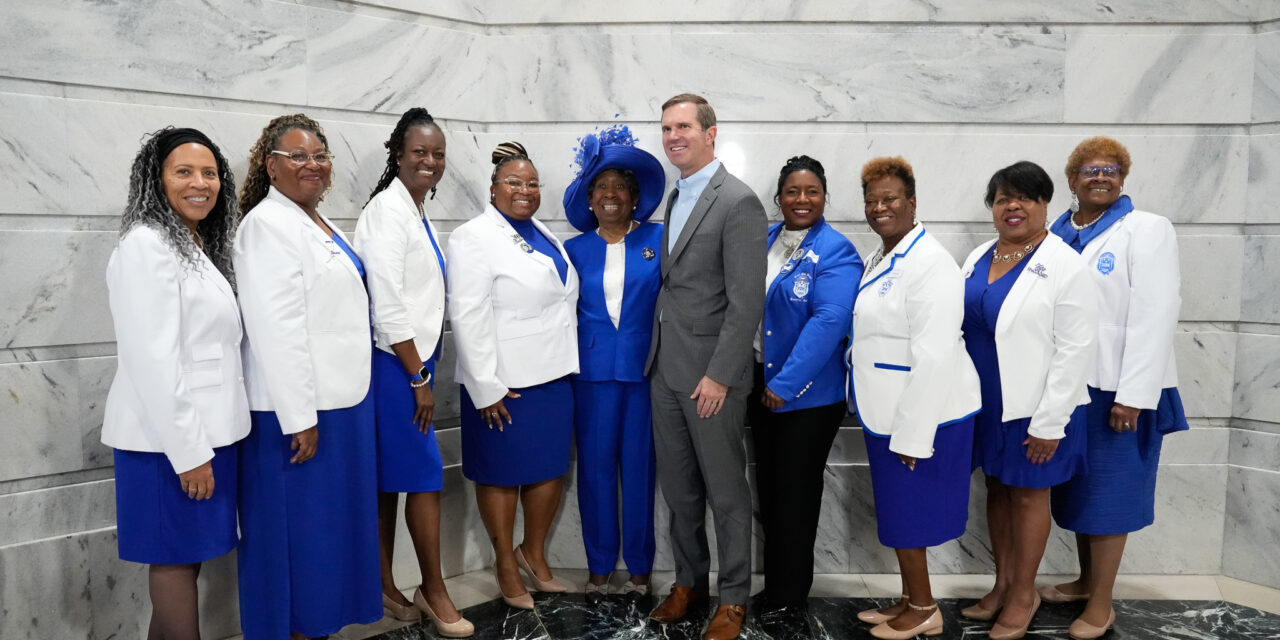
{"x":886,"y":167}
{"x":1095,"y":147}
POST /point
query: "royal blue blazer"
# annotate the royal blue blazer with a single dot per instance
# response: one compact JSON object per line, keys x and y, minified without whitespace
{"x":606,"y":353}
{"x":808,"y":309}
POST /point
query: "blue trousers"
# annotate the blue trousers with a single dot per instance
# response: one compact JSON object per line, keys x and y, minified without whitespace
{"x":614,"y":435}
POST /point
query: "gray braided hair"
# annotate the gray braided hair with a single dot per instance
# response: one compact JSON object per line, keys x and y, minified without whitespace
{"x":148,"y":206}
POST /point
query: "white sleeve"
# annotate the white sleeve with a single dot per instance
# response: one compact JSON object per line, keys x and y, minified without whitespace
{"x":146,"y":307}
{"x":268,"y":264}
{"x":381,"y":242}
{"x":935,"y":311}
{"x":1075,"y":338}
{"x":471,"y":316}
{"x":1154,"y":302}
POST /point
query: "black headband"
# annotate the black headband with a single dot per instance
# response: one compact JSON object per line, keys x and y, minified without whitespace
{"x":170,"y":139}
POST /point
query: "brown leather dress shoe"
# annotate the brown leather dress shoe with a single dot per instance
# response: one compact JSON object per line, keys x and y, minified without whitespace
{"x":727,"y":623}
{"x":676,"y":605}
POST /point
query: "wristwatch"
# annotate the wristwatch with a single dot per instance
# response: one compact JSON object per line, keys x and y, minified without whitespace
{"x":420,"y":379}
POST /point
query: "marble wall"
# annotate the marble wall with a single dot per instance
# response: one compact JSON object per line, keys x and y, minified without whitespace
{"x":960,"y":89}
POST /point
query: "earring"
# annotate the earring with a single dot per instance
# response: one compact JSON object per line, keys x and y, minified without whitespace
{"x":433,"y":193}
{"x":590,"y":209}
{"x":1075,"y":203}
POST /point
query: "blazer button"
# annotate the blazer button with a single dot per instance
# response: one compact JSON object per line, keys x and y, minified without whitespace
{"x":769,"y":365}
{"x":768,"y":333}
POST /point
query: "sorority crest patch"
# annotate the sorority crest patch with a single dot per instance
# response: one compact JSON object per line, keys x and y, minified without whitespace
{"x":1106,"y":263}
{"x":801,"y":286}
{"x":648,"y":253}
{"x":886,"y":286}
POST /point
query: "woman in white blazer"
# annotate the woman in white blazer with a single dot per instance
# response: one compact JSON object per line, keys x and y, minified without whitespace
{"x":309,"y":556}
{"x":405,"y":263}
{"x":177,"y":406}
{"x":1030,"y":327}
{"x":1132,"y":257}
{"x":512,"y":302}
{"x":915,"y":391}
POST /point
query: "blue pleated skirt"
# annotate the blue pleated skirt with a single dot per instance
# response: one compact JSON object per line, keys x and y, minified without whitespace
{"x":308,"y":554}
{"x":998,"y":449}
{"x":157,"y":523}
{"x":930,"y":505}
{"x":408,"y":460}
{"x":535,"y":447}
{"x":1117,"y":495}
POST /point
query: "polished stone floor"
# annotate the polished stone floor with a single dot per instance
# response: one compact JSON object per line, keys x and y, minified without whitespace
{"x":569,"y":616}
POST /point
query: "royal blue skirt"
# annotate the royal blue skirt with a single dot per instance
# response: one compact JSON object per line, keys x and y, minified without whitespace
{"x":533,"y":448}
{"x":1118,"y":493}
{"x":930,"y":505}
{"x":308,"y":555}
{"x":408,"y":460}
{"x":157,"y":523}
{"x":998,"y":449}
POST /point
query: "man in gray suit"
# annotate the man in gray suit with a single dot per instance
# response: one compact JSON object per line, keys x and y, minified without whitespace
{"x":709,"y":307}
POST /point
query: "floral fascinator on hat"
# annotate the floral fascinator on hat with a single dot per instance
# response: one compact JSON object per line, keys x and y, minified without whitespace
{"x":612,"y":148}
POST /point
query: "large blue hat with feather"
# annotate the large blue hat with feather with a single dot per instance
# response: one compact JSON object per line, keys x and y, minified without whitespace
{"x":612,"y":148}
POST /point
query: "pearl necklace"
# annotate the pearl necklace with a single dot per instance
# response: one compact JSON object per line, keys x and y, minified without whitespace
{"x":631,"y":226}
{"x":1081,"y":227}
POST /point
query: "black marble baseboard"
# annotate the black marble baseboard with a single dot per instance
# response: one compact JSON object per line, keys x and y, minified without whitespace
{"x":568,"y":616}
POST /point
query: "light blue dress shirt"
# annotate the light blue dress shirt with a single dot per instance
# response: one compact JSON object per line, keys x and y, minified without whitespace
{"x":687,"y":194}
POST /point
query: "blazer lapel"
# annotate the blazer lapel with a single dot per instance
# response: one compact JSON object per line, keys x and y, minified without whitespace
{"x":666,"y":231}
{"x":1027,"y":282}
{"x":700,"y":209}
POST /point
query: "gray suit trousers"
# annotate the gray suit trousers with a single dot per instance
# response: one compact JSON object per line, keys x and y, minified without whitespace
{"x":700,"y":461}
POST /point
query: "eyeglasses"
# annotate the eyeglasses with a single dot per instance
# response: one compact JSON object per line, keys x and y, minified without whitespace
{"x":300,"y":158}
{"x":1109,"y":171}
{"x":517,"y":185}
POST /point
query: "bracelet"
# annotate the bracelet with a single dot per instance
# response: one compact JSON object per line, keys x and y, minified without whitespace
{"x":418,"y":384}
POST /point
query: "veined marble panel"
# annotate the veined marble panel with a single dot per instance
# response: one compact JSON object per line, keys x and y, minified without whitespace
{"x":61,"y":297}
{"x":1260,"y":298}
{"x":32,"y":515}
{"x":245,"y":49}
{"x":464,"y":546}
{"x":1206,"y":369}
{"x":1257,"y":377}
{"x":34,"y":164}
{"x":1263,"y":202}
{"x":384,"y":65}
{"x":1210,"y":294}
{"x":1197,"y":446}
{"x":52,"y":416}
{"x":76,"y":587}
{"x":991,"y":76}
{"x":448,"y":9}
{"x":1266,"y":77}
{"x":730,"y":11}
{"x":1252,"y":526}
{"x":1256,"y":450}
{"x":1131,"y":77}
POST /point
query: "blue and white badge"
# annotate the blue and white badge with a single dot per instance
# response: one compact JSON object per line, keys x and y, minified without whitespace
{"x":801,"y":286}
{"x":1039,"y":270}
{"x":1106,"y":263}
{"x":648,"y":253}
{"x":886,"y":286}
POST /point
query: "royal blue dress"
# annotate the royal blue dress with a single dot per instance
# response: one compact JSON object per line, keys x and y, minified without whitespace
{"x":408,"y":460}
{"x":997,"y":445}
{"x":308,"y":557}
{"x":535,"y":446}
{"x":1117,"y":495}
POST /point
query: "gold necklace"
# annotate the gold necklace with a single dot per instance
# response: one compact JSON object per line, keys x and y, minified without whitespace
{"x":1012,"y":256}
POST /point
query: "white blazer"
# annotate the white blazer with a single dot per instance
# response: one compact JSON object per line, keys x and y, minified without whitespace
{"x":1046,"y":337}
{"x":306,"y":315}
{"x":406,"y":283}
{"x":1135,"y":266}
{"x":514,"y":323}
{"x":908,"y":364}
{"x":179,"y":387}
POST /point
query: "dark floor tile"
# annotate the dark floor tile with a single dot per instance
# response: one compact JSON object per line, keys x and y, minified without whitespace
{"x":569,"y":617}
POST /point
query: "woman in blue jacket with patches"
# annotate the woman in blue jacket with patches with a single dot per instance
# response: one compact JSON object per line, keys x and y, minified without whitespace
{"x":810,"y":284}
{"x":617,"y":257}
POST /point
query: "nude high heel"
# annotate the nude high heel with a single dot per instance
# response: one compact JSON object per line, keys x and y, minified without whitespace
{"x":931,"y":626}
{"x":460,"y":628}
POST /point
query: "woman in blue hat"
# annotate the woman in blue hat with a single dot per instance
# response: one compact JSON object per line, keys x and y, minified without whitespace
{"x":617,"y":257}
